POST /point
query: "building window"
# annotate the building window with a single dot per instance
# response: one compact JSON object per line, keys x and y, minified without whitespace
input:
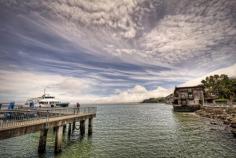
{"x":190,"y":95}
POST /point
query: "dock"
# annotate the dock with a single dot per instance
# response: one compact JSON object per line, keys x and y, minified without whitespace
{"x":23,"y":121}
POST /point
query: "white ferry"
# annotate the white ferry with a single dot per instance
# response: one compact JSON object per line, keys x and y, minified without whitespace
{"x":45,"y":100}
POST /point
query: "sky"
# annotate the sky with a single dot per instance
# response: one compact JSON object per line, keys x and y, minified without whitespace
{"x":110,"y":51}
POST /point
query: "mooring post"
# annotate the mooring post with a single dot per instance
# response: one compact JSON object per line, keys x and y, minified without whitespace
{"x":58,"y":140}
{"x":82,"y":127}
{"x":90,"y":126}
{"x":42,"y":140}
{"x":69,"y":130}
{"x":73,"y":127}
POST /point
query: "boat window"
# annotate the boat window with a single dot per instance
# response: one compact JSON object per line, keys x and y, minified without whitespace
{"x":49,"y":97}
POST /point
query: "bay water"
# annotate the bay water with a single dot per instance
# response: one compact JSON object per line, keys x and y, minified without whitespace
{"x":134,"y":131}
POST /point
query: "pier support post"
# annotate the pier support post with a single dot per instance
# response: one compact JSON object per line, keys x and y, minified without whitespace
{"x":64,"y":129}
{"x":69,"y":130}
{"x":58,"y":140}
{"x":73,"y":127}
{"x":42,"y":140}
{"x":90,"y":126}
{"x":82,"y":127}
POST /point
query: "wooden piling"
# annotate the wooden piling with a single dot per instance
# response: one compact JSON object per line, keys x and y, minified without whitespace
{"x":69,"y":130}
{"x":90,"y":126}
{"x":73,"y":127}
{"x":58,"y":139}
{"x":42,"y":140}
{"x":82,"y":127}
{"x":64,"y":129}
{"x":54,"y":129}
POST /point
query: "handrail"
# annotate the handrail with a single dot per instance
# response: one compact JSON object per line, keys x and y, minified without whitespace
{"x":18,"y":117}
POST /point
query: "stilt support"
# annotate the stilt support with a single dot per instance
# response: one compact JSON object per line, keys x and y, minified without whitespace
{"x":64,"y":128}
{"x":54,"y":129}
{"x":82,"y":127}
{"x":73,"y":127}
{"x":42,"y":140}
{"x":58,"y":141}
{"x":69,"y":130}
{"x":90,"y":126}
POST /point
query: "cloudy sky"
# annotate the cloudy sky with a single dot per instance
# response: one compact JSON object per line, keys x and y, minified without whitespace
{"x":112,"y":50}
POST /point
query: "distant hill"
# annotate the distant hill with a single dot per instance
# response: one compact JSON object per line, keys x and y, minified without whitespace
{"x":155,"y":100}
{"x":168,"y":99}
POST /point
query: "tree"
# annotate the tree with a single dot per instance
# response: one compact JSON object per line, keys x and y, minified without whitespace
{"x":219,"y":85}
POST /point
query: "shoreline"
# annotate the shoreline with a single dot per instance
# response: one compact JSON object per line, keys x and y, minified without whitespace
{"x":218,"y":115}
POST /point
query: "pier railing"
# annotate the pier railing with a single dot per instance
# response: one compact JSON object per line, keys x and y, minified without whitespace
{"x":24,"y":116}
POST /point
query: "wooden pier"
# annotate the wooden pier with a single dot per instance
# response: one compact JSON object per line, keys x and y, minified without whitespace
{"x":19,"y":122}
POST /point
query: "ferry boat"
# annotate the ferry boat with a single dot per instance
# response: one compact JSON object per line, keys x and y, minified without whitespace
{"x":46,"y":100}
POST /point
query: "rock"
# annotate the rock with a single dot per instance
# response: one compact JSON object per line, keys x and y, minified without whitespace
{"x":233,"y":123}
{"x":213,"y":122}
{"x":234,"y":120}
{"x":234,"y":132}
{"x":213,"y":129}
{"x":226,"y":121}
{"x":223,"y":115}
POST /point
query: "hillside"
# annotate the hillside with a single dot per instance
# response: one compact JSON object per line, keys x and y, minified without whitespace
{"x":155,"y":100}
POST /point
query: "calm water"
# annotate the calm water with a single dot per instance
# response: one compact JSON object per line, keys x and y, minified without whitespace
{"x":148,"y":130}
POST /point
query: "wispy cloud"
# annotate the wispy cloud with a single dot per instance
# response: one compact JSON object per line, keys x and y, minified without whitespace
{"x":20,"y":85}
{"x":114,"y":45}
{"x":135,"y":94}
{"x":230,"y":71}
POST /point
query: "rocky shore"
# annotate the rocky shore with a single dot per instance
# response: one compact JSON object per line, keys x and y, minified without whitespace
{"x":233,"y":126}
{"x":225,"y":114}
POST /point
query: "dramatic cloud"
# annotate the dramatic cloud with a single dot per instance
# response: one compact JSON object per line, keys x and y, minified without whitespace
{"x":230,"y":71}
{"x":107,"y":46}
{"x":18,"y":85}
{"x":136,"y":94}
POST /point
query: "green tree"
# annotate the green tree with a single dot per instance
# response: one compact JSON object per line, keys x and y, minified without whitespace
{"x":220,"y":85}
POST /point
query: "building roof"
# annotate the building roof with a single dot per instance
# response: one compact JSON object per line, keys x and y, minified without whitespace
{"x":190,"y":87}
{"x":198,"y":86}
